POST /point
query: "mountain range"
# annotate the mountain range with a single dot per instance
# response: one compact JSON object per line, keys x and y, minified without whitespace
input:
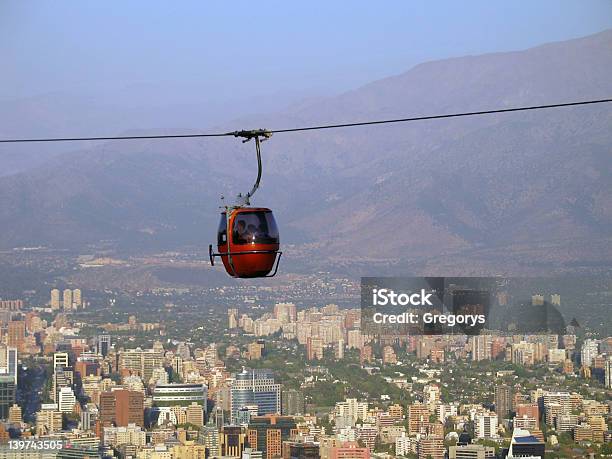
{"x":504,"y":193}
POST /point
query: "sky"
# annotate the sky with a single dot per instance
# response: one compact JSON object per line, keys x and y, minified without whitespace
{"x":181,"y":52}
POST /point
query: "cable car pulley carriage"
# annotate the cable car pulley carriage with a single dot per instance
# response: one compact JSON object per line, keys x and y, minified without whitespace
{"x":251,"y":246}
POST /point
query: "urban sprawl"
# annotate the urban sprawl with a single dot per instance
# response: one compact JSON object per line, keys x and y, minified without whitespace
{"x":284,"y":381}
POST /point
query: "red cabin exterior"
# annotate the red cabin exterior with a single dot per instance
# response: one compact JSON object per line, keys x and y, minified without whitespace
{"x":253,"y":244}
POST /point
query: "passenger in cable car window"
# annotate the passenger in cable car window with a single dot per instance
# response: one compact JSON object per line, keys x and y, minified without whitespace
{"x":240,"y":235}
{"x":251,"y":233}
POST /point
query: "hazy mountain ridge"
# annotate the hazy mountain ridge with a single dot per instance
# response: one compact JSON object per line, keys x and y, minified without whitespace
{"x":409,"y":191}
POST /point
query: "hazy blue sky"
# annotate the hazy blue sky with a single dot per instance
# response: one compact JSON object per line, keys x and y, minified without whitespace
{"x":189,"y":50}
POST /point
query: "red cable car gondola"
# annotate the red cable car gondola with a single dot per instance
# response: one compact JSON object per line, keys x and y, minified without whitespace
{"x":251,"y":247}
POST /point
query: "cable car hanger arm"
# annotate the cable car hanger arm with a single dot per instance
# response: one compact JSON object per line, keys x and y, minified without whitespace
{"x":248,"y":135}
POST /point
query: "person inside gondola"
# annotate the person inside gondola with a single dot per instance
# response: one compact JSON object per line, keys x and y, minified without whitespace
{"x":240,"y":235}
{"x":251,"y":233}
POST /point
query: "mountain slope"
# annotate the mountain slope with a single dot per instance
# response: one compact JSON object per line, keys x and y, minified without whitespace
{"x":416,"y":191}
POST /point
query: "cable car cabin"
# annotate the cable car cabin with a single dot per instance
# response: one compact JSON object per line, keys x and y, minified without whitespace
{"x":252,"y":248}
{"x":247,"y":237}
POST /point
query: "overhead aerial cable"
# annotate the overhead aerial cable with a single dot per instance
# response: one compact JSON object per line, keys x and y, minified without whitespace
{"x":312,"y":128}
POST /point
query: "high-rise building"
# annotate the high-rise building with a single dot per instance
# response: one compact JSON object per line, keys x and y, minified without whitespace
{"x":366,"y":354}
{"x":180,"y":394}
{"x":232,"y":441}
{"x":481,"y":347}
{"x":608,"y":373}
{"x":339,"y":349}
{"x":141,"y":362}
{"x":314,"y":348}
{"x":60,"y":360}
{"x":255,"y":350}
{"x":537,"y":300}
{"x":62,"y":377}
{"x":209,"y":437}
{"x":8,"y":362}
{"x":352,"y":409}
{"x":195,"y":414}
{"x":485,"y":425}
{"x":430,"y":447}
{"x":583,"y":432}
{"x":104,"y":344}
{"x":444,"y":411}
{"x":218,"y":416}
{"x":8,"y":379}
{"x":292,"y":402}
{"x":555,"y":299}
{"x":16,"y":334}
{"x":556,"y":404}
{"x":107,"y":409}
{"x":129,"y":407}
{"x":67,"y":299}
{"x":389,"y":356}
{"x":563,"y":423}
{"x":525,"y":422}
{"x":15,"y":416}
{"x":88,"y":364}
{"x":396,"y":411}
{"x":556,"y":355}
{"x":121,"y":407}
{"x":598,"y":426}
{"x":303,"y":450}
{"x":77,"y":298}
{"x":471,"y":452}
{"x":405,"y":445}
{"x":418,"y":417}
{"x":367,"y":434}
{"x":244,"y":415}
{"x":348,"y":450}
{"x":589,"y":350}
{"x":130,"y":435}
{"x":267,"y":433}
{"x":524,"y":444}
{"x":66,"y":400}
{"x":55,"y":299}
{"x":531,"y":410}
{"x":355,"y":340}
{"x":89,"y":417}
{"x":503,"y":401}
{"x":431,"y":395}
{"x":568,"y":367}
{"x":285,"y":312}
{"x":255,"y":387}
{"x":250,"y":453}
{"x":48,"y":419}
{"x":569,"y":342}
{"x":232,"y":318}
{"x":11,"y":305}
